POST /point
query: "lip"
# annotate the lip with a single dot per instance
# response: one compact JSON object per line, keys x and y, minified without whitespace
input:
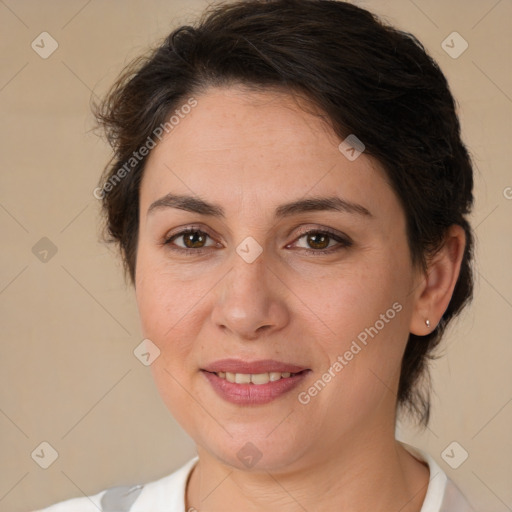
{"x":254,"y":367}
{"x":253,"y":394}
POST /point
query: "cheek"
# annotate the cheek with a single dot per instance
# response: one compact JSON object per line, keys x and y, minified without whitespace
{"x":368,"y":315}
{"x":163,"y":306}
{"x":161,"y":298}
{"x":167,"y":319}
{"x":354,"y":301}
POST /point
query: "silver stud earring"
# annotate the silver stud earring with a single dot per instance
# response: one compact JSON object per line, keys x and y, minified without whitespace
{"x":427,"y":322}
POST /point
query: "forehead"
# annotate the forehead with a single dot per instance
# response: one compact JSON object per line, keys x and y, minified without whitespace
{"x":256,"y":147}
{"x":240,"y":123}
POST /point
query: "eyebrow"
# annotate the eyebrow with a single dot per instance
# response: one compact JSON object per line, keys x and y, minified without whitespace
{"x":199,"y":206}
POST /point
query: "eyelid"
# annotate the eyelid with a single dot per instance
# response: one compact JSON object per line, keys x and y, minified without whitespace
{"x":183,"y":230}
{"x":321,"y":229}
{"x":342,"y":239}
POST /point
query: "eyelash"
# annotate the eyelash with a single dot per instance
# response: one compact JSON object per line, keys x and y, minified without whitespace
{"x":344,"y":242}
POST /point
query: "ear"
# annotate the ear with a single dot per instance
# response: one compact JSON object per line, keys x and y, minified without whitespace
{"x":434,"y":288}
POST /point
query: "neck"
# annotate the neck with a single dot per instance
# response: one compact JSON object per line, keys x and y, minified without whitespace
{"x":367,"y":475}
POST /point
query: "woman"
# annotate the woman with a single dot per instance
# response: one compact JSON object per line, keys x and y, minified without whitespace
{"x":289,"y":193}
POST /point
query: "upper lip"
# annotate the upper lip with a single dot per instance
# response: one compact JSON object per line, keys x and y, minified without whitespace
{"x":253,"y":367}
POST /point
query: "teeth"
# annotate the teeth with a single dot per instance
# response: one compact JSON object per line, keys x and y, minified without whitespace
{"x":242,"y":378}
{"x":254,"y":378}
{"x":260,"y":378}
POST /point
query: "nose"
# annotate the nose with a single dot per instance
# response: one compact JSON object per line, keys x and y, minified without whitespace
{"x":250,"y":301}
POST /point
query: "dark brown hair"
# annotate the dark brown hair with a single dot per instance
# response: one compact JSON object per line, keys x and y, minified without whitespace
{"x":368,"y":78}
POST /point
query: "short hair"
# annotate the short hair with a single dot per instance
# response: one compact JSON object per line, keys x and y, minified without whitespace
{"x":368,"y":78}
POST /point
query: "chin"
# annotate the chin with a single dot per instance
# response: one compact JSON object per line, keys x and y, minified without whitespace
{"x":252,"y":449}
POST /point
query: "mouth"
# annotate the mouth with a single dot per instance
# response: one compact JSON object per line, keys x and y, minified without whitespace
{"x":257,"y":379}
{"x":253,"y":383}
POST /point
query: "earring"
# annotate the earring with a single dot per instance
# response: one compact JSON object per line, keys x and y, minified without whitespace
{"x":427,"y":322}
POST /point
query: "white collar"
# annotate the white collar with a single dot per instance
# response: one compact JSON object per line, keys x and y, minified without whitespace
{"x":437,"y":480}
{"x":172,"y":488}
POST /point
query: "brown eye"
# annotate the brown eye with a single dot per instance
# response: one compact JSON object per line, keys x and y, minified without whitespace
{"x":322,"y":242}
{"x":318,"y":240}
{"x":194,"y":239}
{"x":189,"y":239}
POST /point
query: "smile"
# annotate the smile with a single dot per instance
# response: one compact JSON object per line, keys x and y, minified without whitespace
{"x":254,"y":378}
{"x":256,"y":383}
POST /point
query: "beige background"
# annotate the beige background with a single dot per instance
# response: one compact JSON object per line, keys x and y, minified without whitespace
{"x":69,"y":326}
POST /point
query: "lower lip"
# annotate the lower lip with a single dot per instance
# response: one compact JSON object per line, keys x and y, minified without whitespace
{"x":253,"y":394}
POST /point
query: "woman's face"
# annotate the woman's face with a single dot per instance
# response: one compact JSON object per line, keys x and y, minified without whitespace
{"x":253,"y":174}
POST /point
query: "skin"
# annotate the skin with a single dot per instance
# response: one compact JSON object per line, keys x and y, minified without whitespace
{"x":249,"y":152}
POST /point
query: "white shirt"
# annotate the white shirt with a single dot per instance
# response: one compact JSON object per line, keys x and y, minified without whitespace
{"x":168,"y":494}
